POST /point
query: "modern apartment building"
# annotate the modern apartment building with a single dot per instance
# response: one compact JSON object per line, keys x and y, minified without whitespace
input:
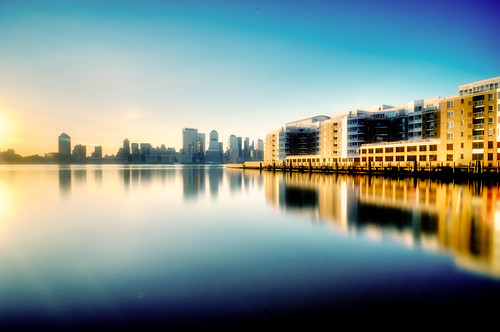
{"x":455,"y":131}
{"x":471,"y":130}
{"x":295,"y":138}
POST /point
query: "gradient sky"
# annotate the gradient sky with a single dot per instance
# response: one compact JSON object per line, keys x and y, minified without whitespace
{"x":102,"y":71}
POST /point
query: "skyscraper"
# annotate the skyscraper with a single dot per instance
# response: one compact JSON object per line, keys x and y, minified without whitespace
{"x":189,"y":144}
{"x":214,"y":152}
{"x":234,"y":148}
{"x":64,"y":147}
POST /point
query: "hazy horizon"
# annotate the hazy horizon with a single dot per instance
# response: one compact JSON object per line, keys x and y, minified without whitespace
{"x":105,"y":71}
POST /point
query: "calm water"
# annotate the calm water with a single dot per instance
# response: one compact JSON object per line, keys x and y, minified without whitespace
{"x":139,"y":245}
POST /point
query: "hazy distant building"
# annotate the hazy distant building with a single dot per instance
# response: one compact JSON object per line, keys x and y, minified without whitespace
{"x":64,"y":142}
{"x":189,"y":144}
{"x":97,"y":154}
{"x":234,"y":148}
{"x":214,"y":152}
{"x":79,"y":153}
{"x":126,"y":149}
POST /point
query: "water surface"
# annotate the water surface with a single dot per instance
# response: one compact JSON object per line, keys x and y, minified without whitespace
{"x":182,"y":245}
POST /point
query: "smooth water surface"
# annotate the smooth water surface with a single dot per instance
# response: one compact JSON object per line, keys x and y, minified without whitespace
{"x":133,"y":245}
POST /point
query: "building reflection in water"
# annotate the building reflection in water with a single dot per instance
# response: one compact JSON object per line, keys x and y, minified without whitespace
{"x":463,"y":220}
{"x":235,"y":179}
{"x":215,"y":175}
{"x":80,"y":176}
{"x":193,"y":181}
{"x":98,"y":176}
{"x":64,"y":180}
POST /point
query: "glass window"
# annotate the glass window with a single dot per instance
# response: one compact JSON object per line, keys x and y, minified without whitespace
{"x":449,"y":146}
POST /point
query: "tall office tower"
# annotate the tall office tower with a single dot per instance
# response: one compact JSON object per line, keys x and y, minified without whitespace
{"x":240,"y":151}
{"x":234,"y":148}
{"x":213,"y":144}
{"x":260,"y":150}
{"x":246,"y":148}
{"x":201,"y":147}
{"x":97,"y":152}
{"x":189,"y":144}
{"x":126,"y":147}
{"x":80,"y":152}
{"x":214,"y":152}
{"x":64,"y":142}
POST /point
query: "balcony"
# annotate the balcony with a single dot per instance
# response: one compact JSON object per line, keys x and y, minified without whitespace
{"x":478,"y":137}
{"x":478,"y":103}
{"x":478,"y":126}
{"x":478,"y":114}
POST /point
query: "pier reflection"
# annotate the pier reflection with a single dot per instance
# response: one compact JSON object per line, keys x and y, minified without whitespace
{"x":460,"y":219}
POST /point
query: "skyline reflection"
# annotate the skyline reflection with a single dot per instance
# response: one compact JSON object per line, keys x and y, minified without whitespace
{"x":209,"y":241}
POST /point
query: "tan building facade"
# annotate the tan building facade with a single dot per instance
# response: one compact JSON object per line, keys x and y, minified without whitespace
{"x":470,"y":127}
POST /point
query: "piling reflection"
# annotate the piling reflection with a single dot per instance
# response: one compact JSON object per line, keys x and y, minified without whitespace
{"x":461,"y":219}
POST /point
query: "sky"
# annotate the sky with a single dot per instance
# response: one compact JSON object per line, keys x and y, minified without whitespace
{"x":103,"y":71}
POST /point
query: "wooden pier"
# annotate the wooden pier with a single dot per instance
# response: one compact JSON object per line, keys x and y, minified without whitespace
{"x":472,"y":171}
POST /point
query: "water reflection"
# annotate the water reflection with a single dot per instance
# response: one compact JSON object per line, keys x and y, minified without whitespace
{"x":193,"y":181}
{"x":64,"y":180}
{"x":461,"y":219}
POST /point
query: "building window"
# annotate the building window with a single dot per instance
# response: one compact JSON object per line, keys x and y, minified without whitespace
{"x":490,"y":98}
{"x":422,"y":158}
{"x":412,"y":158}
{"x":449,"y":103}
{"x":462,"y":123}
{"x":449,"y":125}
{"x":363,"y":151}
{"x":449,"y":146}
{"x":433,"y":157}
{"x":449,"y":135}
{"x":449,"y":157}
{"x":461,"y":145}
{"x":363,"y":158}
{"x":400,"y":158}
{"x":449,"y":114}
{"x":477,"y":145}
{"x":491,"y":132}
{"x":477,"y":156}
{"x":461,"y":134}
{"x":411,"y":148}
{"x":490,"y":108}
{"x":379,"y":150}
{"x":388,"y":158}
{"x":461,"y":156}
{"x":379,"y":158}
{"x":370,"y":150}
{"x":389,"y":150}
{"x":490,"y":120}
{"x":490,"y":156}
{"x":423,"y":148}
{"x":370,"y":158}
{"x":433,"y":147}
{"x":462,"y":112}
{"x":490,"y":144}
{"x":400,"y":149}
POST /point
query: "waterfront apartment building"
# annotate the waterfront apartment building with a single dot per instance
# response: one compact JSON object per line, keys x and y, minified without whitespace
{"x":467,"y":127}
{"x":471,"y":130}
{"x":343,"y":135}
{"x":453,"y":131}
{"x":295,"y":138}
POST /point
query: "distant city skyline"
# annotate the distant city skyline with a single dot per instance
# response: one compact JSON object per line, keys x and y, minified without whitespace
{"x":105,"y":71}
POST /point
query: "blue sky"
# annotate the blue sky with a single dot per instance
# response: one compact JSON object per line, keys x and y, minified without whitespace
{"x":105,"y":70}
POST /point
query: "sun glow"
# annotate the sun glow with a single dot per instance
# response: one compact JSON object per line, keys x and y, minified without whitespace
{"x":6,"y":129}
